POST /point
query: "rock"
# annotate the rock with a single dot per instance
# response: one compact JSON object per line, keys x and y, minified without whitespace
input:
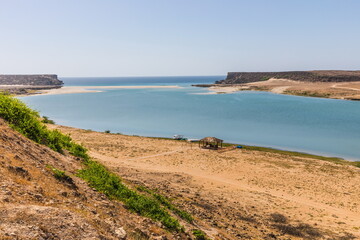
{"x":159,"y":238}
{"x":120,"y":233}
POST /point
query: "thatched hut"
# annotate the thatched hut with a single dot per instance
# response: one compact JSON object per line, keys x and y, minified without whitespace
{"x":211,"y":142}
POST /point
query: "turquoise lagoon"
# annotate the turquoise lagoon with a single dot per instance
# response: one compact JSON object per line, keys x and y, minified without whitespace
{"x":314,"y":125}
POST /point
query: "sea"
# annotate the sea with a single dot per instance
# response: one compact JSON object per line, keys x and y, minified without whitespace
{"x":320,"y":126}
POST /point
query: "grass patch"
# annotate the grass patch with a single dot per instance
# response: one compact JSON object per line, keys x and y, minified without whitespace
{"x":300,"y":154}
{"x":110,"y":184}
{"x":62,"y":176}
{"x":58,"y":174}
{"x":199,"y":235}
{"x":27,"y":121}
{"x":295,"y":154}
{"x":308,"y":94}
{"x":167,"y":203}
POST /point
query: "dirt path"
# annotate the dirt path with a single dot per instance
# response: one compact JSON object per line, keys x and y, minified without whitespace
{"x":349,"y":88}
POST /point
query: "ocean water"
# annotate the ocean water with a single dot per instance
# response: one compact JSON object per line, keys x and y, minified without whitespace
{"x":321,"y":126}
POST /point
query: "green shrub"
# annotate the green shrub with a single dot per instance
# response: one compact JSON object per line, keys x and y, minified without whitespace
{"x":199,"y":235}
{"x":27,"y":121}
{"x":58,"y":174}
{"x":110,"y":184}
{"x":107,"y":131}
{"x":47,"y":120}
{"x":167,"y":203}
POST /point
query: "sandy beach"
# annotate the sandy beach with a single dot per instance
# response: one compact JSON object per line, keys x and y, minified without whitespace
{"x":92,"y":89}
{"x":237,"y":192}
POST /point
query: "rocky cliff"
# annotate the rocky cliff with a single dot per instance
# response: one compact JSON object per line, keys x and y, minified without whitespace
{"x":34,"y":80}
{"x":306,"y":76}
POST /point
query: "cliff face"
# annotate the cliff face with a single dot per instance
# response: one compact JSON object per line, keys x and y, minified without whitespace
{"x":35,"y":80}
{"x":306,"y":76}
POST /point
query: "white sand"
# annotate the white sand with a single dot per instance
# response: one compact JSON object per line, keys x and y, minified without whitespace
{"x":89,"y":89}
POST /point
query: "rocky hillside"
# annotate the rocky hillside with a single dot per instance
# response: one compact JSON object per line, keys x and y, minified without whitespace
{"x":51,"y":189}
{"x":38,"y":202}
{"x":33,"y":80}
{"x":306,"y":76}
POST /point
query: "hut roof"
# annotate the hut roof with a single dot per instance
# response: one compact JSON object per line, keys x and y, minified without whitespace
{"x":211,"y":140}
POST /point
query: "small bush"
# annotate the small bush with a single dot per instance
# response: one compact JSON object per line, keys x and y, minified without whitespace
{"x":301,"y":230}
{"x":167,"y":203}
{"x":107,"y":131}
{"x":199,"y":235}
{"x":62,"y":176}
{"x":278,"y":218}
{"x":46,"y":119}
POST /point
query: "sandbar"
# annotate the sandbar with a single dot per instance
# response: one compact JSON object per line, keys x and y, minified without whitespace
{"x":92,"y":89}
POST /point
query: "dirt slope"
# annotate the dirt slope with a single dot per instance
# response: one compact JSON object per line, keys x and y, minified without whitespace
{"x":35,"y":205}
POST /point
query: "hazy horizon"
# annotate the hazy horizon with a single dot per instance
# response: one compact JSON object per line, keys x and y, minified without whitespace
{"x":90,"y":38}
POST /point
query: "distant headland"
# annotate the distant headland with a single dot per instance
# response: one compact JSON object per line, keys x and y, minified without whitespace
{"x":335,"y":84}
{"x":31,"y":80}
{"x":305,"y":76}
{"x":29,"y":84}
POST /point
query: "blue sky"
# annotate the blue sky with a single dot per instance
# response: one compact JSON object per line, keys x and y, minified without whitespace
{"x":177,"y":37}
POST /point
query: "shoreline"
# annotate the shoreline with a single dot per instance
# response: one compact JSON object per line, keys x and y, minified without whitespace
{"x":280,"y":150}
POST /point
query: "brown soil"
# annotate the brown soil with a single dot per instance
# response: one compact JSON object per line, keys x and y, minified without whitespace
{"x":238,"y":194}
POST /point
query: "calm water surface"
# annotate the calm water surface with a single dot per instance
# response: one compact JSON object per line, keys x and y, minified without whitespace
{"x":320,"y":126}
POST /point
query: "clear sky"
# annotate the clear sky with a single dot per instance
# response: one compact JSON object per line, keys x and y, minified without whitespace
{"x":177,"y":37}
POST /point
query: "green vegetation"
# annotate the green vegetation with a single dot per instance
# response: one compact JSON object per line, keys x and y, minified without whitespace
{"x":265,"y":78}
{"x":295,"y":154}
{"x":299,"y":154}
{"x":61,"y":175}
{"x":167,"y":203}
{"x":110,"y":184}
{"x":47,"y":120}
{"x":27,"y":122}
{"x":308,"y":94}
{"x":199,"y":235}
{"x":107,"y":131}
